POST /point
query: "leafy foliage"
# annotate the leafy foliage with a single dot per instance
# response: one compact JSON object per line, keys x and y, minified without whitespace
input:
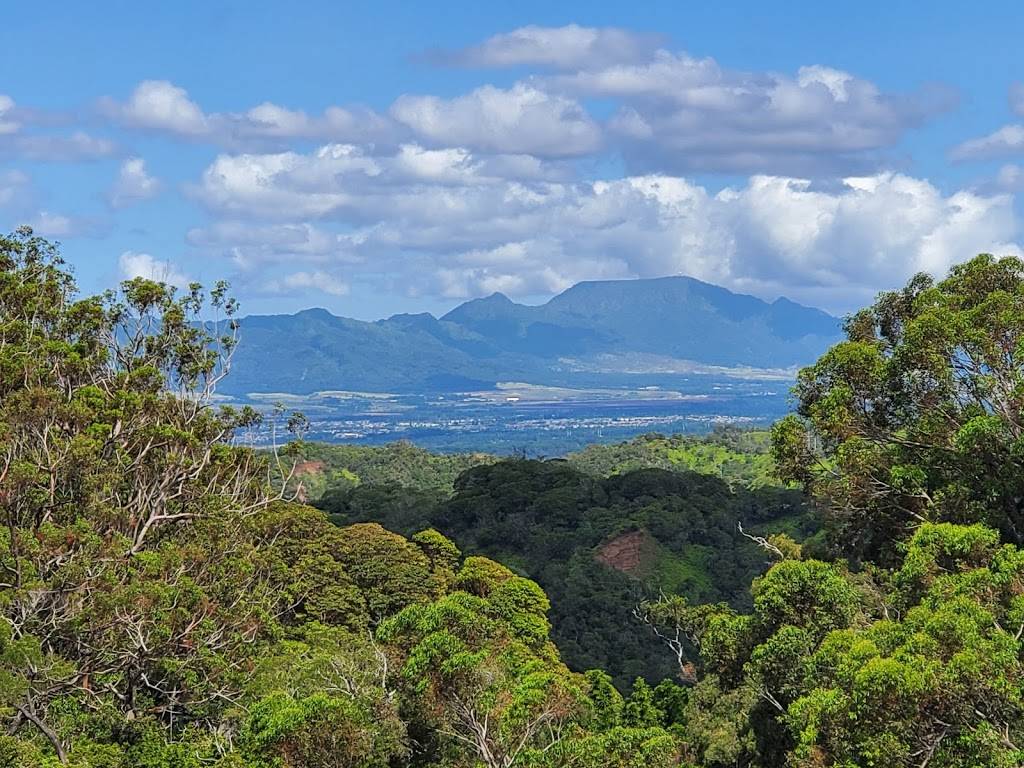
{"x":916,"y":417}
{"x":741,"y":457}
{"x":333,"y":470}
{"x":161,"y":606}
{"x":127,"y":544}
{"x":561,"y":527}
{"x":922,"y":666}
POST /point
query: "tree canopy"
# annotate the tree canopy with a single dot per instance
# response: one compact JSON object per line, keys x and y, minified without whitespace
{"x":163,"y":606}
{"x":165,"y":603}
{"x":917,"y":416}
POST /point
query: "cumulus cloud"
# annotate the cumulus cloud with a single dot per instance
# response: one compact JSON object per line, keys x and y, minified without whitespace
{"x":160,"y":105}
{"x":568,"y":47}
{"x":518,"y":120}
{"x":163,"y":107}
{"x":466,"y":235}
{"x":667,"y":111}
{"x":273,"y":121}
{"x":463,"y":195}
{"x":250,"y":183}
{"x":133,"y":184}
{"x":1008,"y":140}
{"x":680,"y":113}
{"x":347,"y":179}
{"x":134,"y":264}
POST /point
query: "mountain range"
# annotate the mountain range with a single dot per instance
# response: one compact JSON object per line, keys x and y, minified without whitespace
{"x":592,"y":330}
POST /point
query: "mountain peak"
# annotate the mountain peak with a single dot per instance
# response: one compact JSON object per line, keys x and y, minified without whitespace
{"x":316,"y":313}
{"x":594,"y":327}
{"x":495,"y":304}
{"x":496,"y":299}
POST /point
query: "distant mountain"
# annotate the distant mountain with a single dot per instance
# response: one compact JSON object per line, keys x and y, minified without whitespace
{"x":676,"y":317}
{"x":587,"y":328}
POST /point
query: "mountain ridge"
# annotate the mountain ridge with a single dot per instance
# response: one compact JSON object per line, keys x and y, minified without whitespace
{"x":493,"y":338}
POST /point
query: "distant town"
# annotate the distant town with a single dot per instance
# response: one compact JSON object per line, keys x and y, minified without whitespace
{"x":519,"y":417}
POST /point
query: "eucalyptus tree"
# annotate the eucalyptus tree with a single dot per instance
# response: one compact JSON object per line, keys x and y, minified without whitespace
{"x":918,"y":416}
{"x":127,"y":544}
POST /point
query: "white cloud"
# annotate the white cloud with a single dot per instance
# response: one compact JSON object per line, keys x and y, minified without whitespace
{"x":272,"y":121}
{"x":1003,"y":142}
{"x":1008,"y":140}
{"x":519,"y":120}
{"x":343,"y":179}
{"x":446,"y":228}
{"x":833,"y":79}
{"x":680,"y":113}
{"x":318,"y":280}
{"x":286,"y":184}
{"x":46,"y":147}
{"x":1010,"y":178}
{"x":133,"y":184}
{"x":135,"y":264}
{"x":565,"y":47}
{"x":55,"y":148}
{"x":13,"y":184}
{"x":162,"y":106}
{"x":50,"y":224}
{"x":670,"y":112}
{"x":254,"y":247}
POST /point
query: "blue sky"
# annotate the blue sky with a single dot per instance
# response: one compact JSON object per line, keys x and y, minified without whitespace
{"x":383,"y":157}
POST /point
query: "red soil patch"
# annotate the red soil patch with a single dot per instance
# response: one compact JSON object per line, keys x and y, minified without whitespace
{"x":624,"y":553}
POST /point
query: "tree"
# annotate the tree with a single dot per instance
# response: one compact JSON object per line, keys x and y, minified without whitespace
{"x":390,"y":571}
{"x":919,"y":415}
{"x":824,"y":673}
{"x":126,"y":536}
{"x":941,"y":685}
{"x":324,"y":700}
{"x":481,"y":668}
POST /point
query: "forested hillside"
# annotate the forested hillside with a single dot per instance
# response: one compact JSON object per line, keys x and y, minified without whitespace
{"x":741,"y":457}
{"x":320,"y":468}
{"x":600,"y":531}
{"x":163,"y":604}
{"x":598,"y":546}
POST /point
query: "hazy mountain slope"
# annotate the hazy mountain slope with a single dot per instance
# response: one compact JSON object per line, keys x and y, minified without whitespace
{"x":314,"y":350}
{"x":673,"y":316}
{"x":493,"y":339}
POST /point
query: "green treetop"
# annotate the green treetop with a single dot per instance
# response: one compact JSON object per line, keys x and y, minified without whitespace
{"x":919,"y":415}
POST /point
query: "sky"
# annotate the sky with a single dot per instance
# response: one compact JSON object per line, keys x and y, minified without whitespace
{"x":379,"y":157}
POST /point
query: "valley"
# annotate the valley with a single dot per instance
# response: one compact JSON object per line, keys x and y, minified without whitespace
{"x":516,"y":417}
